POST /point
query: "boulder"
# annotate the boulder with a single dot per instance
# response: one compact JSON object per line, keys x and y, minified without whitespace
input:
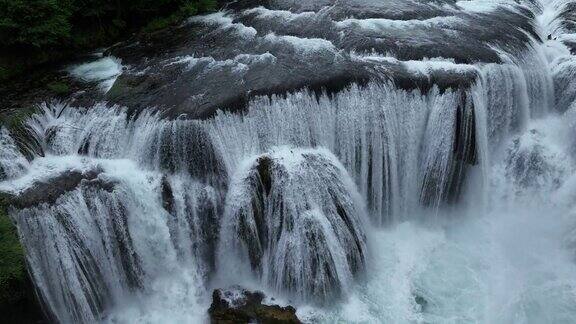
{"x":242,"y":306}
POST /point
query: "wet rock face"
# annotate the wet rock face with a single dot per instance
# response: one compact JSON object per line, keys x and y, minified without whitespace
{"x":167,"y":196}
{"x":200,"y":206}
{"x":22,"y":139}
{"x":223,"y":60}
{"x":186,"y":146}
{"x":243,"y":306}
{"x":48,"y":191}
{"x":444,"y":182}
{"x":101,"y":259}
{"x":299,"y":224}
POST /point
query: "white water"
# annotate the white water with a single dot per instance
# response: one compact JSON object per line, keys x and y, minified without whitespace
{"x":12,"y":162}
{"x":504,"y":253}
{"x":103,"y":71}
{"x":306,"y":236}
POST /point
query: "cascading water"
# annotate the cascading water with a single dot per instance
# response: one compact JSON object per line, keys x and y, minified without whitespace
{"x":296,"y":215}
{"x":12,"y":162}
{"x":437,"y":203}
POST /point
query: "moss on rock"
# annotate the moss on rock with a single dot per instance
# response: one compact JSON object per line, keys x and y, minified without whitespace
{"x":12,"y":266}
{"x":14,"y":121}
{"x":59,"y":88}
{"x":15,"y":118}
{"x":18,"y":302}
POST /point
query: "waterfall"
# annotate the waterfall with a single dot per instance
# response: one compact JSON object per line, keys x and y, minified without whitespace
{"x":158,"y":201}
{"x":100,"y":246}
{"x":12,"y":162}
{"x":398,"y":145}
{"x":403,"y":149}
{"x":296,"y":216}
{"x":438,"y":190}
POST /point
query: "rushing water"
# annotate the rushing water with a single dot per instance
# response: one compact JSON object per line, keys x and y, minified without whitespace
{"x":377,"y":204}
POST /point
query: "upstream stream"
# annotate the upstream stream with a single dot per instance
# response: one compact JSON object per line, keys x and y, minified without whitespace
{"x":364,"y":161}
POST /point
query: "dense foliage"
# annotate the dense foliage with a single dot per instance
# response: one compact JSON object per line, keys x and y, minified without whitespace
{"x":34,"y":22}
{"x":46,"y":23}
{"x":12,"y":268}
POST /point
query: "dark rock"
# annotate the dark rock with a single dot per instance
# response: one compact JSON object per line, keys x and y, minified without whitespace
{"x":24,"y":138}
{"x":243,"y":306}
{"x":446,"y":185}
{"x":167,"y":196}
{"x":421,"y":301}
{"x":265,"y":172}
{"x":31,"y":89}
{"x":185,"y":146}
{"x":48,"y":191}
{"x":202,"y":67}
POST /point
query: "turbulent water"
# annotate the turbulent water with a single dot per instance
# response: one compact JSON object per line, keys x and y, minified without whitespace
{"x":437,"y":185}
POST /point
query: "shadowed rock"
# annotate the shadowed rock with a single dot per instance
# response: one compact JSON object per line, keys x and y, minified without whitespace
{"x":444,"y":182}
{"x":48,"y":191}
{"x":532,"y":164}
{"x":184,"y":145}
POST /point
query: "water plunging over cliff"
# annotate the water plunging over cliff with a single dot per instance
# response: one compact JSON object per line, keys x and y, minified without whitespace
{"x":434,"y":185}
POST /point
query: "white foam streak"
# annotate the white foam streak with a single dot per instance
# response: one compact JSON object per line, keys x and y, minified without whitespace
{"x":225,"y":22}
{"x":103,"y":71}
{"x":381,"y":24}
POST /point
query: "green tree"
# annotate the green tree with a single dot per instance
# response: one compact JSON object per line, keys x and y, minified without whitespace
{"x":34,"y":32}
{"x":35,"y":23}
{"x":56,"y":23}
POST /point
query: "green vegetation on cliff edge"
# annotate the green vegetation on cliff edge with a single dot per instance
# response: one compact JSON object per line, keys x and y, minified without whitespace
{"x":12,"y":265}
{"x":35,"y":32}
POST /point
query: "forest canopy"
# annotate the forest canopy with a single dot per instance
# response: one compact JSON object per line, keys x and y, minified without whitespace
{"x":42,"y":24}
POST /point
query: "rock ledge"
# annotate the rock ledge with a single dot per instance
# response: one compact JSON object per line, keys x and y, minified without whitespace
{"x":238,"y":305}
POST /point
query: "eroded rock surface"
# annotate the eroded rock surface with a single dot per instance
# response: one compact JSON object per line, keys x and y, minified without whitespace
{"x":48,"y":191}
